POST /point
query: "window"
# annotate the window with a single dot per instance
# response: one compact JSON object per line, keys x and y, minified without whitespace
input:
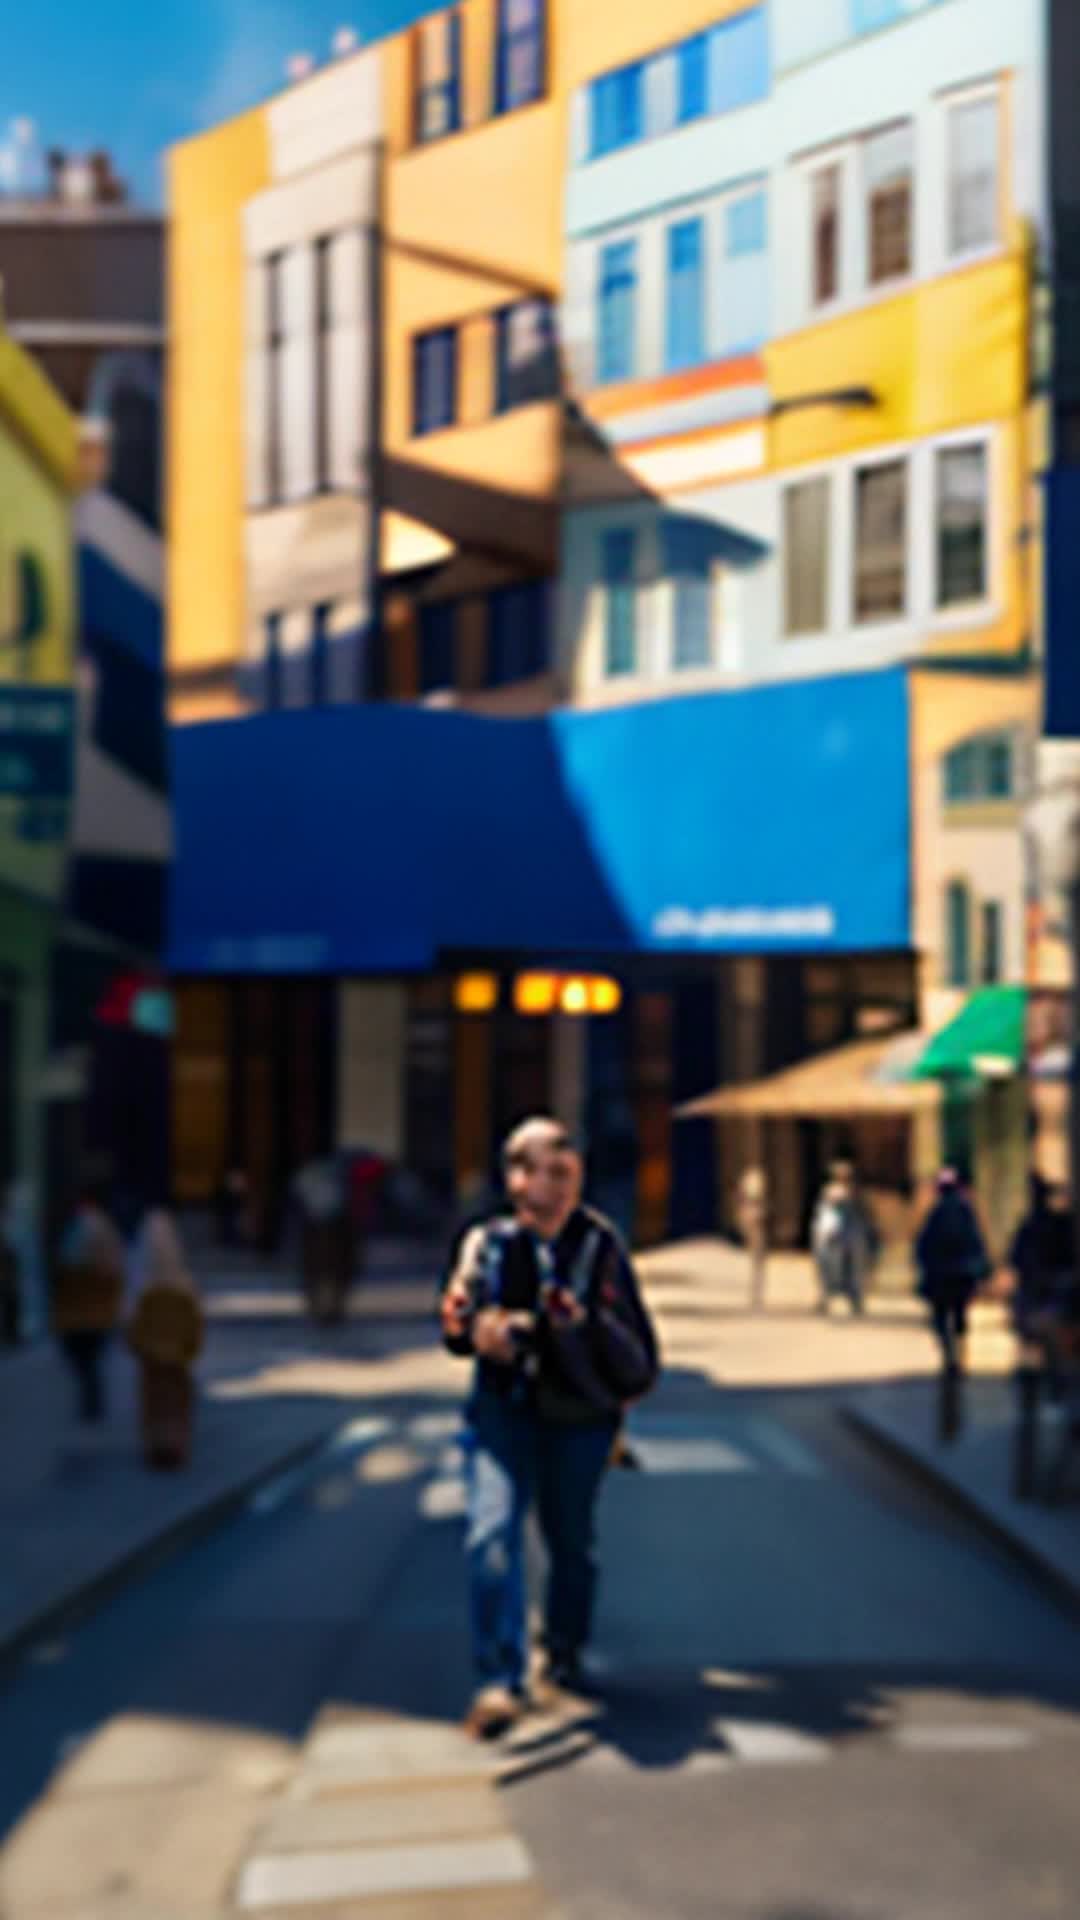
{"x":323,"y":350}
{"x":272,"y":660}
{"x":868,"y":15}
{"x":438,"y":76}
{"x":826,"y":188}
{"x":881,"y":542}
{"x":616,"y":110}
{"x":434,"y":380}
{"x":619,"y":558}
{"x":742,"y":320}
{"x":31,"y":609}
{"x":275,"y":341}
{"x":617,"y":322}
{"x":692,"y":66}
{"x":519,"y":56}
{"x":973,"y":147}
{"x":806,"y":557}
{"x":685,"y":328}
{"x":518,"y":619}
{"x":688,"y":565}
{"x":526,"y":363}
{"x":320,"y":657}
{"x":437,"y":637}
{"x":962,"y":533}
{"x":993,"y":942}
{"x":957,"y":934}
{"x":1000,"y":768}
{"x":981,"y":769}
{"x":888,"y":164}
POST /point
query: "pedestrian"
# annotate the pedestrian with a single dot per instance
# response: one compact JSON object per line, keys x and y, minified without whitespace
{"x":843,"y":1240}
{"x":1043,"y":1260}
{"x":953,"y":1263}
{"x":88,"y":1296}
{"x":546,"y":1301}
{"x":752,"y":1216}
{"x":166,"y":1335}
{"x":327,"y":1238}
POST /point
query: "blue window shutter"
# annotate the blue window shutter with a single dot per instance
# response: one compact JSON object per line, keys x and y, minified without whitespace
{"x":693,"y":79}
{"x":740,"y":64}
{"x":747,"y":224}
{"x":453,"y":105}
{"x":685,"y":326}
{"x":687,"y":566}
{"x":617,"y":318}
{"x":616,"y":110}
{"x":620,"y":636}
{"x":602,"y":117}
{"x":434,"y":380}
{"x":519,"y":54}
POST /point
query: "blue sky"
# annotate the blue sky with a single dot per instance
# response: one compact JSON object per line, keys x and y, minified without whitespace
{"x":135,"y":75}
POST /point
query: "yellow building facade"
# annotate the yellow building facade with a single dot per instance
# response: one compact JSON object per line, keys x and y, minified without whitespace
{"x":38,"y":476}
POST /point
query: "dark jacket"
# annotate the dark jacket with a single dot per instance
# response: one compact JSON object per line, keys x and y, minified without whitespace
{"x":950,"y":1251}
{"x":572,"y":1375}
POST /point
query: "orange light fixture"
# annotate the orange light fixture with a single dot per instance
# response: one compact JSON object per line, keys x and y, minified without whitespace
{"x":536,"y":993}
{"x":606,"y":996}
{"x":578,"y":995}
{"x":574,"y":997}
{"x":476,"y":993}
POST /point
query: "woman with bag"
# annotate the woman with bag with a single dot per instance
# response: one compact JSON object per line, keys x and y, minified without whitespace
{"x":166,"y":1335}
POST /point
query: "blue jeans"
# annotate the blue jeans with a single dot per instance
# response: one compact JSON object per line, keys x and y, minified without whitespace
{"x":513,"y":1457}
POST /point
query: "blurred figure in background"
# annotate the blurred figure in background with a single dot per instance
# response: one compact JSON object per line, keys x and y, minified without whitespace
{"x":844,"y":1240}
{"x":166,"y":1335}
{"x":327,"y":1238}
{"x":953,"y":1263}
{"x":88,"y":1295}
{"x":1043,"y":1259}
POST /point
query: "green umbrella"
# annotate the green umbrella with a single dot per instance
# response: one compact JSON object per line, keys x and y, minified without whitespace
{"x":986,"y":1041}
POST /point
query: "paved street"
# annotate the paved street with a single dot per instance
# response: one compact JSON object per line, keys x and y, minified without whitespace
{"x":823,"y":1696}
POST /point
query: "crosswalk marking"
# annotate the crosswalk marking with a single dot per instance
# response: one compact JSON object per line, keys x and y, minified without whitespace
{"x":763,"y":1743}
{"x":350,"y":1438}
{"x":743,"y":1443}
{"x":666,"y":1456}
{"x":963,"y":1739}
{"x":368,"y":1873}
{"x":784,"y":1447}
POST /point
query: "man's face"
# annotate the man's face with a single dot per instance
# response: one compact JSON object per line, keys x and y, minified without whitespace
{"x":547,"y":1187}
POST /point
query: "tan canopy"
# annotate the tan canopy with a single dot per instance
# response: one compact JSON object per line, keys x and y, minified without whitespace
{"x":864,"y":1078}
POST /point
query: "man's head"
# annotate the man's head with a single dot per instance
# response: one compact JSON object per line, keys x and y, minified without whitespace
{"x":543,"y":1173}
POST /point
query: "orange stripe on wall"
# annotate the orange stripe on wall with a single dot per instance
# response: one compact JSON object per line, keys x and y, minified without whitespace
{"x":748,"y":371}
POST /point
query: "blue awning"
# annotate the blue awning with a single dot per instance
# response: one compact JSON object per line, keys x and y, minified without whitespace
{"x":375,"y":839}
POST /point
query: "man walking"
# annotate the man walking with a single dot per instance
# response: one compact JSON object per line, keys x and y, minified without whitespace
{"x":546,"y":1300}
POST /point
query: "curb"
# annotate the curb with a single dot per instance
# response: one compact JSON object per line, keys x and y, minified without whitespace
{"x":1059,"y":1586}
{"x":88,"y":1595}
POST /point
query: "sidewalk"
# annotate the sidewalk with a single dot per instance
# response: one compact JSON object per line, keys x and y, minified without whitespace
{"x":976,"y":1471}
{"x":76,"y":1522}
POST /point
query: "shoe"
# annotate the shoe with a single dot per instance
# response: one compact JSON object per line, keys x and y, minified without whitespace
{"x":494,"y":1712}
{"x":564,"y":1672}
